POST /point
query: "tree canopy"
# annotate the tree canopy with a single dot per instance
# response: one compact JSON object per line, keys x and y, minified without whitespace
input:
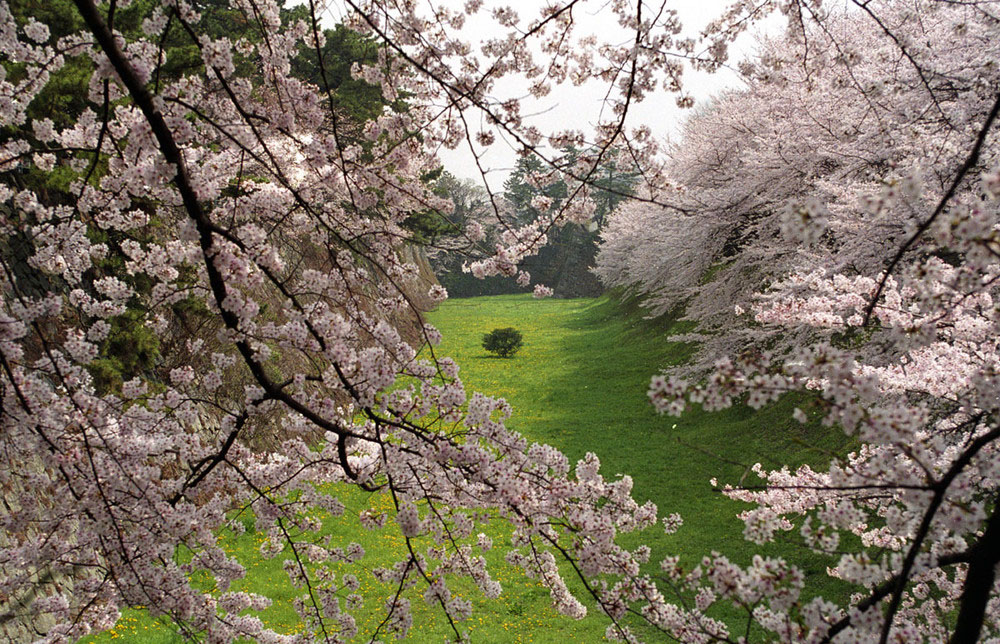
{"x":209,"y":311}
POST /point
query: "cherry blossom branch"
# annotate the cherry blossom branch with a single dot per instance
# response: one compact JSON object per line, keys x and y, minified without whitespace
{"x":970,"y":163}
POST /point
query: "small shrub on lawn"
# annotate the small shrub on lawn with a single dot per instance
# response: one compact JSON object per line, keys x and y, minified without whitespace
{"x":503,"y":342}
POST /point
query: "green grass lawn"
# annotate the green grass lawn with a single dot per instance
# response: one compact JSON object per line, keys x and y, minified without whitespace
{"x":580,"y":384}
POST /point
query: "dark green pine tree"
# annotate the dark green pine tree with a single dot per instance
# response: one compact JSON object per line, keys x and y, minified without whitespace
{"x":565,"y":262}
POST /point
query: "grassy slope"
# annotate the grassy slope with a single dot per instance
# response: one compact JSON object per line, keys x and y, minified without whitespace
{"x":579,"y":383}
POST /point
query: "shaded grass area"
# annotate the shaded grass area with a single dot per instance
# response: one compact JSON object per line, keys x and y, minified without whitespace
{"x":579,"y":383}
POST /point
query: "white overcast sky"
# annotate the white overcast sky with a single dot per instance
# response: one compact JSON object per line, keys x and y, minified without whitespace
{"x":578,"y":107}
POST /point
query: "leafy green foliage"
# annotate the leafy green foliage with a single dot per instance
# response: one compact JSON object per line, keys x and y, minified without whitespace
{"x":504,"y":342}
{"x":130,"y":350}
{"x":355,"y":98}
{"x":427,"y":227}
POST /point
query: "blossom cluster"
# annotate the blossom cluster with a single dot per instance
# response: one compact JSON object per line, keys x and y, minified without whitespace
{"x":259,"y":235}
{"x":857,"y":238}
{"x":243,"y":225}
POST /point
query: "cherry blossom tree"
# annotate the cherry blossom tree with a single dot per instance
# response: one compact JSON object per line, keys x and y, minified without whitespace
{"x":847,"y":201}
{"x":259,"y":229}
{"x":838,"y":125}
